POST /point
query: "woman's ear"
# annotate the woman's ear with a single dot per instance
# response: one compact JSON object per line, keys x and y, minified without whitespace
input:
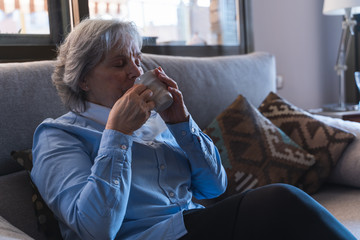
{"x":84,"y":86}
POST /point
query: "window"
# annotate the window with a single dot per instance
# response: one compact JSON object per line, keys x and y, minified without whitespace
{"x":31,"y":29}
{"x":184,"y":27}
{"x":24,"y":17}
{"x":176,"y":22}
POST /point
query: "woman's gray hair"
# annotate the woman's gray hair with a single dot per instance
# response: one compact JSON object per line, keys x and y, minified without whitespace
{"x":83,"y":49}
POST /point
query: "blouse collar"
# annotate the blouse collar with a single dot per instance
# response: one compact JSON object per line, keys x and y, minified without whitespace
{"x":96,"y":113}
{"x":148,"y":132}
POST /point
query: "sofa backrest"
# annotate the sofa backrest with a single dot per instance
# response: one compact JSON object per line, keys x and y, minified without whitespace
{"x":208,"y":84}
{"x":27,"y":97}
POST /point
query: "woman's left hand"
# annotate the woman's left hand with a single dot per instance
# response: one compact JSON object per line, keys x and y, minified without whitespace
{"x":177,"y":112}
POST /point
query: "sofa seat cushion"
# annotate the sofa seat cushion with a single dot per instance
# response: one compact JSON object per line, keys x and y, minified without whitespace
{"x":343,"y":202}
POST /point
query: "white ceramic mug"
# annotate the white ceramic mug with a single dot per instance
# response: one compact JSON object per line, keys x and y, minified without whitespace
{"x":161,"y":96}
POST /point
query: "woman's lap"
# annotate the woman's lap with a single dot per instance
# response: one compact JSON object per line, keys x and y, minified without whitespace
{"x":207,"y":222}
{"x":276,"y":211}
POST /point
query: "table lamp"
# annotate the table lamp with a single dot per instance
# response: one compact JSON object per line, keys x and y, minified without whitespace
{"x":345,"y":8}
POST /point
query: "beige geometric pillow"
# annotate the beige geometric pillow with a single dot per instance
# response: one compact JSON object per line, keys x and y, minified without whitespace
{"x":254,"y":152}
{"x":325,"y":142}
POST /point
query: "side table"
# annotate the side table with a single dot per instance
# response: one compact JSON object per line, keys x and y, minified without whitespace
{"x":345,"y":115}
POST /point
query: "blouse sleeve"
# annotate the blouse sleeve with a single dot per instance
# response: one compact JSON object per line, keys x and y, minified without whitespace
{"x":82,"y":194}
{"x":208,"y":177}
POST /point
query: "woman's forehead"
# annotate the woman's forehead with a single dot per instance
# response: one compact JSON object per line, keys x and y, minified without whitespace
{"x":127,"y":48}
{"x":124,"y":52}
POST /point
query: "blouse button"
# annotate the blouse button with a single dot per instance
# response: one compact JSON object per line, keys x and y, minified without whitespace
{"x":162,"y":166}
{"x":123,"y":147}
{"x":171,"y":194}
{"x":193,"y":130}
{"x":116,"y":182}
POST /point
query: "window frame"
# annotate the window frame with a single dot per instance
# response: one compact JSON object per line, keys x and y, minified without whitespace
{"x":357,"y":43}
{"x":353,"y":64}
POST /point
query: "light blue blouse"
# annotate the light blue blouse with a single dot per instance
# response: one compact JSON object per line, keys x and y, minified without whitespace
{"x":102,"y":184}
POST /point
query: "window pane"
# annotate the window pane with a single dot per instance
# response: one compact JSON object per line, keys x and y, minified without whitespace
{"x":176,"y":22}
{"x":24,"y":17}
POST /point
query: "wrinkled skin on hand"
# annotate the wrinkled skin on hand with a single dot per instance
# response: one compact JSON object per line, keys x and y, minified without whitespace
{"x":177,"y":112}
{"x":131,"y":111}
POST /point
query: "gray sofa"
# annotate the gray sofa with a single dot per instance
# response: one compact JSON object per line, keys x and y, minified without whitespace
{"x":209,"y":85}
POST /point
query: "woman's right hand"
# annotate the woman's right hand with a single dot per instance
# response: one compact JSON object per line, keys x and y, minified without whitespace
{"x":132,"y":110}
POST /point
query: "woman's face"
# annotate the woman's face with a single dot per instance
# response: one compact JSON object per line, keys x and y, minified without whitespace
{"x":112,"y":76}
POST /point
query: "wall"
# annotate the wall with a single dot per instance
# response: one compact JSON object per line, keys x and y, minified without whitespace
{"x":305,"y":44}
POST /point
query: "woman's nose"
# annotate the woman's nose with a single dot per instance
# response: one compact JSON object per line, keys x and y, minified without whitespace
{"x":134,"y":71}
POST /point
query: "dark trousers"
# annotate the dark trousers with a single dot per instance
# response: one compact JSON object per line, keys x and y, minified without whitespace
{"x":276,"y":211}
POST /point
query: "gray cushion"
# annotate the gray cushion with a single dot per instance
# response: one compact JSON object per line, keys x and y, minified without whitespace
{"x":343,"y":202}
{"x":347,"y":169}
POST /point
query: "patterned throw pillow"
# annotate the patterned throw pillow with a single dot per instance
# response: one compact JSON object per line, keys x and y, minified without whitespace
{"x":254,"y":151}
{"x":325,"y":142}
{"x":24,"y":158}
{"x":45,"y":217}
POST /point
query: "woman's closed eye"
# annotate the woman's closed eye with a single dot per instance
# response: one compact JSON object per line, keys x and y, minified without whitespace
{"x":120,"y":64}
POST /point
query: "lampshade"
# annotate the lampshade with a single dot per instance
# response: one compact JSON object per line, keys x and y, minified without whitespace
{"x":336,"y":7}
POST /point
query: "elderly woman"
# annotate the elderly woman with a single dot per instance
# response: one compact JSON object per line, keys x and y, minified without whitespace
{"x":112,"y":168}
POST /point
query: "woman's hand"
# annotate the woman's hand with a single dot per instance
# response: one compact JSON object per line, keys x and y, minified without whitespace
{"x":132,"y":110}
{"x":177,"y":112}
